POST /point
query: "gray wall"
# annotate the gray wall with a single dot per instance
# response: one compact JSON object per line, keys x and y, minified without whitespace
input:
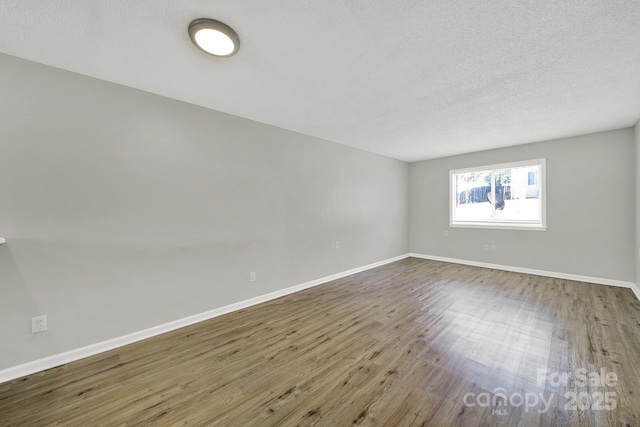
{"x":125,"y":210}
{"x":636,"y":252}
{"x":590,"y":209}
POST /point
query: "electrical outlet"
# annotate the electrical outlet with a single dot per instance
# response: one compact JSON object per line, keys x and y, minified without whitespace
{"x":486,"y":247}
{"x":337,"y":244}
{"x":38,"y":324}
{"x":252,"y":276}
{"x":446,"y":233}
{"x":493,"y":248}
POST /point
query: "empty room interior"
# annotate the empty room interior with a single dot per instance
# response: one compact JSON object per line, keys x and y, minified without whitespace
{"x":232,"y":213}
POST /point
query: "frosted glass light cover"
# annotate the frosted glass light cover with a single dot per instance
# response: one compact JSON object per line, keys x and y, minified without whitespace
{"x":214,"y":42}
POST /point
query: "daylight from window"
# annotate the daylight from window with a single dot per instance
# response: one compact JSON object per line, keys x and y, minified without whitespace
{"x":502,"y":196}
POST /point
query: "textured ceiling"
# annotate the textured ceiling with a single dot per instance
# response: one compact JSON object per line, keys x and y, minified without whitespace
{"x":407,"y":79}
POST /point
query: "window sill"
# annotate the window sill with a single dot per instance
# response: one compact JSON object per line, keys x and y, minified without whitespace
{"x":528,"y":227}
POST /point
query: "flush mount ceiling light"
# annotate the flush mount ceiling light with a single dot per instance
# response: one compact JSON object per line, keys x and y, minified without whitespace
{"x":214,"y":37}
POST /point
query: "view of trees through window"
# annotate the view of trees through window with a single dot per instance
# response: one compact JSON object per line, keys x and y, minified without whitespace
{"x":508,"y":194}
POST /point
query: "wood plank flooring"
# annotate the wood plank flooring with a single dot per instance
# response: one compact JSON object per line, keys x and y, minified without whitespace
{"x":412,"y":343}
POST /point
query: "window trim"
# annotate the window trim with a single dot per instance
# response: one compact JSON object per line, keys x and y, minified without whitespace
{"x":502,"y":225}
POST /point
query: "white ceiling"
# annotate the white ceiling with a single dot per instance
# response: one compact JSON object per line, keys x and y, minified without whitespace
{"x":407,"y":79}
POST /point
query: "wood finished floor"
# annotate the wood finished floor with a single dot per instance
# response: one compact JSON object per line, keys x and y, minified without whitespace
{"x":399,"y":345}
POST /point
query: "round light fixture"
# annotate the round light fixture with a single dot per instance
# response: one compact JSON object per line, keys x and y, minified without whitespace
{"x":214,"y":37}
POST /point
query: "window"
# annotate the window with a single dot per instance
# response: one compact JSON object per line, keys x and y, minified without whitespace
{"x":510,"y":195}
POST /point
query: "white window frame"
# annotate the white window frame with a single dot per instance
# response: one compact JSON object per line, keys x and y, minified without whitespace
{"x":502,"y":224}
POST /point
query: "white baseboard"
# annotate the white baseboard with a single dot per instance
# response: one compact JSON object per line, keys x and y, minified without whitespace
{"x":636,"y":290}
{"x":577,"y":277}
{"x":93,"y":349}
